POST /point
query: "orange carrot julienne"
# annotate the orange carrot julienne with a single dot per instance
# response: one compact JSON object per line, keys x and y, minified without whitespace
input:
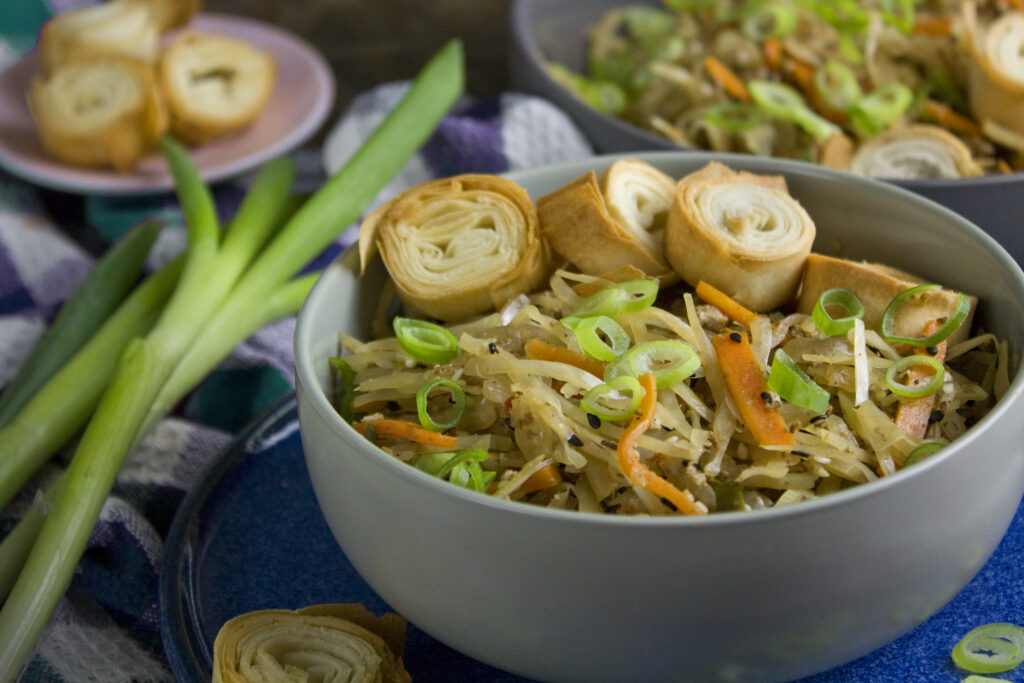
{"x":726,"y":78}
{"x":771,"y":53}
{"x":932,"y":24}
{"x":949,"y":119}
{"x":725,"y":303}
{"x":403,"y":429}
{"x":544,"y":478}
{"x":748,"y":387}
{"x":629,"y":460}
{"x":541,"y":350}
{"x":914,"y":414}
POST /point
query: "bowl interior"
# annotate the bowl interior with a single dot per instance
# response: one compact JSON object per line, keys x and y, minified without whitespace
{"x":855,"y":217}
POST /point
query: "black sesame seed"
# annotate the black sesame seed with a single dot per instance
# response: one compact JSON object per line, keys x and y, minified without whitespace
{"x":575,"y":440}
{"x":594,"y":420}
{"x":492,"y":347}
{"x":932,"y":350}
{"x":935,"y":416}
{"x":818,"y":418}
{"x":802,"y":454}
{"x":766,"y":397}
{"x":969,"y":402}
{"x":508,"y":423}
{"x":392,"y":405}
{"x":609,"y":444}
{"x":735,"y":336}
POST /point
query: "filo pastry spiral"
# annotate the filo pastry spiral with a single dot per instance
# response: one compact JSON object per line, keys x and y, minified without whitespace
{"x":321,"y":642}
{"x":740,"y":232}
{"x":996,"y":74}
{"x":914,"y":152}
{"x":602,"y":223}
{"x":118,"y":28}
{"x":459,"y":246}
{"x":103,"y":112}
{"x":214,"y":84}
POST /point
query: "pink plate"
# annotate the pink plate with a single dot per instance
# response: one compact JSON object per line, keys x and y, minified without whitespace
{"x":302,"y":98}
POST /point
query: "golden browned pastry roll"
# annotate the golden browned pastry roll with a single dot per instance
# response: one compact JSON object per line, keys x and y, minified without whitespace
{"x":170,"y":14}
{"x":459,"y":246}
{"x":214,"y":84}
{"x":322,"y":642}
{"x":104,"y":112}
{"x":918,"y":151}
{"x":603,"y":223}
{"x":740,"y":232}
{"x":996,"y":70}
{"x":876,"y":285}
{"x":120,"y":28}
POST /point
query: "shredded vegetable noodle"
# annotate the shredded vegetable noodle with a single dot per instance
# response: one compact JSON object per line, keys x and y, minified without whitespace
{"x":687,"y":424}
{"x":905,"y":90}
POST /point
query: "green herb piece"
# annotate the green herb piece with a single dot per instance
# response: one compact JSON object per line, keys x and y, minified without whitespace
{"x":990,"y":649}
{"x":669,"y":361}
{"x":458,"y":397}
{"x":824,"y":321}
{"x":589,"y":333}
{"x":792,"y":384}
{"x":897,"y":369}
{"x":626,"y":297}
{"x":615,"y":401}
{"x":425,"y":341}
{"x":945,"y":330}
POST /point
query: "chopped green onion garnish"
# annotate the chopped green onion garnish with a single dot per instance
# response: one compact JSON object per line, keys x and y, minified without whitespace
{"x":425,"y":341}
{"x":348,"y":388}
{"x":773,"y":20}
{"x":733,"y":117}
{"x":915,"y":390}
{"x":604,"y":96}
{"x":791,"y":383}
{"x":458,"y":398}
{"x":669,"y":361}
{"x":589,"y":333}
{"x":626,"y":297}
{"x":947,"y":328}
{"x":786,"y":103}
{"x":899,"y":13}
{"x":880,"y":108}
{"x":462,"y":468}
{"x":924,"y":450}
{"x":847,"y":16}
{"x":824,"y":321}
{"x":990,"y":649}
{"x":597,"y":399}
{"x":837,"y":84}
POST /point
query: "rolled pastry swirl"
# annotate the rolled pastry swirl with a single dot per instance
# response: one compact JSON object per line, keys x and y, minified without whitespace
{"x":915,"y":152}
{"x":459,"y":246}
{"x":322,"y":642}
{"x":996,"y":72}
{"x":875,"y":285}
{"x":603,"y":223}
{"x":740,"y":232}
{"x":117,"y":28}
{"x":214,"y":84}
{"x":105,"y":112}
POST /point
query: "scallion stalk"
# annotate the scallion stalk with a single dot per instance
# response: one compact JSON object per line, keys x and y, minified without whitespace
{"x":207,"y":290}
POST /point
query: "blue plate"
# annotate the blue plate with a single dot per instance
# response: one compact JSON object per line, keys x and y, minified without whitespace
{"x":250,"y":536}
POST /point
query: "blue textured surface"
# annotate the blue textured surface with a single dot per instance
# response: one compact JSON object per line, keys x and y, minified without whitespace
{"x":250,"y":536}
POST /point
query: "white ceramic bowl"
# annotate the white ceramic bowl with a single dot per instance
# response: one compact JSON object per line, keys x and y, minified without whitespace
{"x":768,"y":595}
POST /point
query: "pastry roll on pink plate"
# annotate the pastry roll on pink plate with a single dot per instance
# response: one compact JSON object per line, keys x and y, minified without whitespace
{"x":460,"y":246}
{"x":740,"y":232}
{"x":601,"y":223}
{"x":995,"y":83}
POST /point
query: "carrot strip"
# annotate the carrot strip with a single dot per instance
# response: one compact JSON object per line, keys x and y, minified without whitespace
{"x":949,"y":119}
{"x":932,"y":24}
{"x":802,"y":75}
{"x":403,"y":429}
{"x":748,"y":387}
{"x":544,"y":478}
{"x":541,"y":350}
{"x":771,"y":53}
{"x":725,"y":303}
{"x":726,"y":78}
{"x":629,"y":459}
{"x":913,"y":414}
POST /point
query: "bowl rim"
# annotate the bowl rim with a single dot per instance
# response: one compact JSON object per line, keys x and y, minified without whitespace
{"x":307,"y":378}
{"x":524,"y":42}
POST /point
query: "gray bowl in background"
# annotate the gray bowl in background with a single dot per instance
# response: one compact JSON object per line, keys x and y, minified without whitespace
{"x":556,"y":30}
{"x":761,"y":596}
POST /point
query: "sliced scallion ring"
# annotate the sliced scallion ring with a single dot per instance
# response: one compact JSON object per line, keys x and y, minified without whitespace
{"x":990,"y":649}
{"x":462,"y":468}
{"x":922,"y":451}
{"x":877,"y":110}
{"x":771,"y":20}
{"x":899,"y":13}
{"x":425,"y":341}
{"x":348,"y":388}
{"x":947,"y":328}
{"x":669,"y":361}
{"x":824,"y":321}
{"x":897,"y":369}
{"x":458,"y":398}
{"x":629,"y":394}
{"x":786,"y":103}
{"x":792,"y":384}
{"x":625,"y":297}
{"x":589,"y":333}
{"x":837,"y":84}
